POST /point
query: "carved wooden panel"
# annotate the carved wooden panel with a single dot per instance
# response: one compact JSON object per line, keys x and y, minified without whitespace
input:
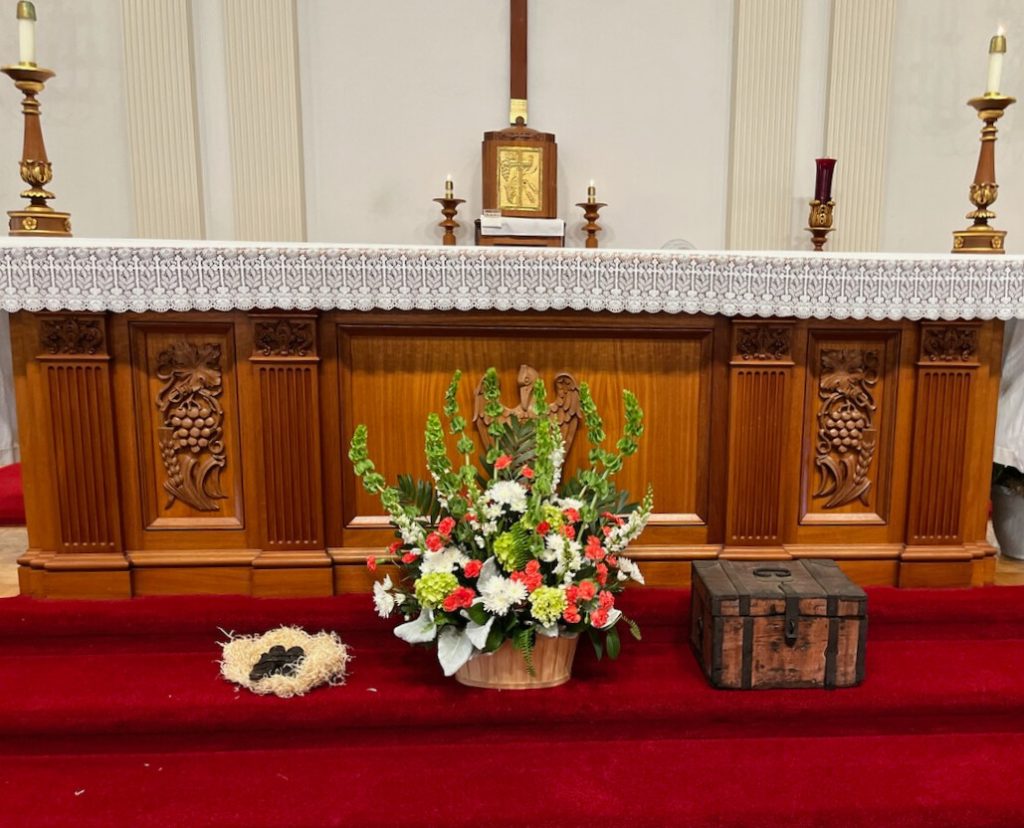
{"x":191,"y":436}
{"x":284,"y":357}
{"x":763,"y":342}
{"x":187,"y":425}
{"x":392,"y":379}
{"x":76,"y":373}
{"x":849,"y":424}
{"x":565,"y":408}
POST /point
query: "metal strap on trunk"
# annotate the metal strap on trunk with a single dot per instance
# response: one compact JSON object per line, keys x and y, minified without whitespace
{"x":792,"y":598}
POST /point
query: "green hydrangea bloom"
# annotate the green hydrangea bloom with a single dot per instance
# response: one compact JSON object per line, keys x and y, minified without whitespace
{"x":512,"y":548}
{"x":547,"y":604}
{"x":552,"y":515}
{"x":432,"y":589}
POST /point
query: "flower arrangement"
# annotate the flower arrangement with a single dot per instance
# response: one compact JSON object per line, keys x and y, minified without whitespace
{"x":505,"y":553}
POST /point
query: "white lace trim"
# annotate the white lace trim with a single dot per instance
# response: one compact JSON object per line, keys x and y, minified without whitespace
{"x":104,"y":275}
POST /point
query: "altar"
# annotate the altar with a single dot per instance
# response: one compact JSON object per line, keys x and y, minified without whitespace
{"x":186,"y":407}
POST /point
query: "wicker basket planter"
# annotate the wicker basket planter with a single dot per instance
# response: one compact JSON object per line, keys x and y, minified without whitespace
{"x":504,"y":669}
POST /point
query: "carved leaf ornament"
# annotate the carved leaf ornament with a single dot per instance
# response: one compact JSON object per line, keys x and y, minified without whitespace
{"x":565,"y":409}
{"x":846,"y":432}
{"x":191,"y":439}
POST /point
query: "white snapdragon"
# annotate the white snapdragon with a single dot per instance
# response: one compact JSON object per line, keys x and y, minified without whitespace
{"x":570,"y":560}
{"x":501,"y":594}
{"x":621,"y":536}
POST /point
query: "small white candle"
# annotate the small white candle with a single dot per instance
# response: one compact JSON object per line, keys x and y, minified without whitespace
{"x":996,"y":50}
{"x":449,"y":186}
{"x":27,"y":32}
{"x":591,"y":192}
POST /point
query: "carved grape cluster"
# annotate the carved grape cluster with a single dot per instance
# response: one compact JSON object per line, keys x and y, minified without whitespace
{"x":844,"y":428}
{"x":195,"y":426}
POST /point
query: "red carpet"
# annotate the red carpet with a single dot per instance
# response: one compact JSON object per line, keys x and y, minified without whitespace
{"x":113,"y":714}
{"x":12,"y":503}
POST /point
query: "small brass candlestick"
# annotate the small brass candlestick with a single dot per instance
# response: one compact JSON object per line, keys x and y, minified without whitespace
{"x":449,"y":208}
{"x":979,"y":237}
{"x":38,"y":218}
{"x":820,"y":222}
{"x":591,"y":212}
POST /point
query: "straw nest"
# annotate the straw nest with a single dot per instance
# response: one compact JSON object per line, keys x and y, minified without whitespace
{"x":325,"y":661}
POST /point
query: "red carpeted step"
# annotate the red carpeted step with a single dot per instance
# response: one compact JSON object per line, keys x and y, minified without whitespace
{"x":966,"y":781}
{"x":67,"y":682}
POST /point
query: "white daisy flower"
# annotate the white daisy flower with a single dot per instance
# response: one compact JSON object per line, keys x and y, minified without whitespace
{"x":628,"y":568}
{"x":501,"y":594}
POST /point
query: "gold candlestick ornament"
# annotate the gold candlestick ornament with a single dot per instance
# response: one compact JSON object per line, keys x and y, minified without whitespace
{"x":980,"y":237}
{"x":820,"y":222}
{"x":37,"y":218}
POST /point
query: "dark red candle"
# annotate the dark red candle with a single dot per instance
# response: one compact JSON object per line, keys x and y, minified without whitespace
{"x":823,"y":179}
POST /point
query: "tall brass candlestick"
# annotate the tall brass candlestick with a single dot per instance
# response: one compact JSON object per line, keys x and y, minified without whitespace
{"x":38,"y":218}
{"x":979,"y":237}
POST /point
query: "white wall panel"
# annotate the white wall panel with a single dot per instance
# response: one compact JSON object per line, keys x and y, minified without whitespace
{"x":395,"y":95}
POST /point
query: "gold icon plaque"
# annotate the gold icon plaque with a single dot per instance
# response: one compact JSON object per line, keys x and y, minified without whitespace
{"x":520,"y":178}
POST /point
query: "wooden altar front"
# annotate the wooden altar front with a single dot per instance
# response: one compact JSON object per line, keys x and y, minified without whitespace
{"x":204,"y":450}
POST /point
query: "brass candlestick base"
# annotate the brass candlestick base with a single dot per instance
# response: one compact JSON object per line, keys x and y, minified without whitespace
{"x":979,"y":237}
{"x":38,"y":218}
{"x":820,"y":222}
{"x":449,"y":209}
{"x":591,"y":212}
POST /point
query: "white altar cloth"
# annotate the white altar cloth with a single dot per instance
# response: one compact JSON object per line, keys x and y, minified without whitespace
{"x":141,"y":275}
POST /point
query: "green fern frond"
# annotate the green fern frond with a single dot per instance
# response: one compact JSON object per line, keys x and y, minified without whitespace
{"x":523,"y":641}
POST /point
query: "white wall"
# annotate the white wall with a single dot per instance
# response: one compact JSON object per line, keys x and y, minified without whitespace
{"x":397,"y":93}
{"x":83,"y":111}
{"x":940,"y":61}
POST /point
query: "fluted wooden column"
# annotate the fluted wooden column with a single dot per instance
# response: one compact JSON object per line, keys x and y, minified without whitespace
{"x":265,"y":122}
{"x":285,"y":362}
{"x":766,"y":64}
{"x":72,"y":464}
{"x":760,"y":423}
{"x":948,"y":422}
{"x":858,"y":115}
{"x":162,"y":118}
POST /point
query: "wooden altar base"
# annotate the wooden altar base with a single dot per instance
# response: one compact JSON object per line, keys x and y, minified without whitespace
{"x":204,"y":452}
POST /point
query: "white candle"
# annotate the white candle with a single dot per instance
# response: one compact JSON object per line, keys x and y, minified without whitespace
{"x":27,"y":32}
{"x":591,"y":192}
{"x":449,"y":186}
{"x":996,"y":50}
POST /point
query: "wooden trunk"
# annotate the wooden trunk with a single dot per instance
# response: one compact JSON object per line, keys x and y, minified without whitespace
{"x":786,"y":624}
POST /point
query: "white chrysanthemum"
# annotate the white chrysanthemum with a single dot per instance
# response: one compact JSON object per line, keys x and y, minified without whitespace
{"x":564,"y":503}
{"x":383,"y":599}
{"x":446,"y":560}
{"x":508,"y":493}
{"x":501,"y":594}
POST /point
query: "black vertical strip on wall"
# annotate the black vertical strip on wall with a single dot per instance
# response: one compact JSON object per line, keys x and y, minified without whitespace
{"x":746,"y":676}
